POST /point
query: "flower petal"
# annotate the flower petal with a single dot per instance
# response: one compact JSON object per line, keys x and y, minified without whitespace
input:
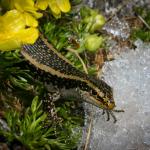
{"x":27,"y":36}
{"x":12,"y":40}
{"x":8,"y":43}
{"x":12,"y":21}
{"x":24,"y":5}
{"x":64,"y":5}
{"x":54,"y":7}
{"x":27,"y":6}
{"x":35,"y":14}
{"x":30,"y":20}
{"x":42,"y":4}
{"x":57,"y":15}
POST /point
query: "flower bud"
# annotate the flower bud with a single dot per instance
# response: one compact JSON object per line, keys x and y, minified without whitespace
{"x":93,"y":42}
{"x":98,"y":22}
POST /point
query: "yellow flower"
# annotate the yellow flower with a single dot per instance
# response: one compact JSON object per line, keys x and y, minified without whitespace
{"x":42,"y":4}
{"x":56,"y":6}
{"x":14,"y":31}
{"x":18,"y":26}
{"x":27,"y":8}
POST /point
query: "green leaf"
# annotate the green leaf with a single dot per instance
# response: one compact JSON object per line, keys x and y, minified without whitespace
{"x":34,"y":104}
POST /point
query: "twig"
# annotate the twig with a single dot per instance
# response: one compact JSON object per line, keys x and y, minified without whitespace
{"x":145,"y":23}
{"x":76,"y":53}
{"x":89,"y":132}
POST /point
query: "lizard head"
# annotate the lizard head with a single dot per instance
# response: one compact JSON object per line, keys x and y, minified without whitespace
{"x":100,"y":94}
{"x":106,"y":102}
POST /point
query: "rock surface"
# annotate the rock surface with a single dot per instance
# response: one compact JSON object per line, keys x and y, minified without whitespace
{"x":129,"y":75}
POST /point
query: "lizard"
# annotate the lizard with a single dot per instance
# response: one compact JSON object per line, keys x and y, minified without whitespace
{"x":66,"y":77}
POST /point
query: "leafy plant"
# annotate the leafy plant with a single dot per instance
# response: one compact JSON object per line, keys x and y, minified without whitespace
{"x":29,"y":129}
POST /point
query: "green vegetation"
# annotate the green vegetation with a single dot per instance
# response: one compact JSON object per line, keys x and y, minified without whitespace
{"x":142,"y":32}
{"x":26,"y":124}
{"x":29,"y":129}
{"x":21,"y":87}
{"x":70,"y":32}
{"x":23,"y":120}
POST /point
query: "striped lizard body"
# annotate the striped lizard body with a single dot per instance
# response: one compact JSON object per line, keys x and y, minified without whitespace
{"x":44,"y":57}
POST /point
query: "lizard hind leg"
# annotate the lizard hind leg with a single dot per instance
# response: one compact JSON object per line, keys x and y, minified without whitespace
{"x":49,"y":107}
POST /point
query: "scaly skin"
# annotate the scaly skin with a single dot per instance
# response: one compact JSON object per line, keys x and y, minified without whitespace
{"x":63,"y":74}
